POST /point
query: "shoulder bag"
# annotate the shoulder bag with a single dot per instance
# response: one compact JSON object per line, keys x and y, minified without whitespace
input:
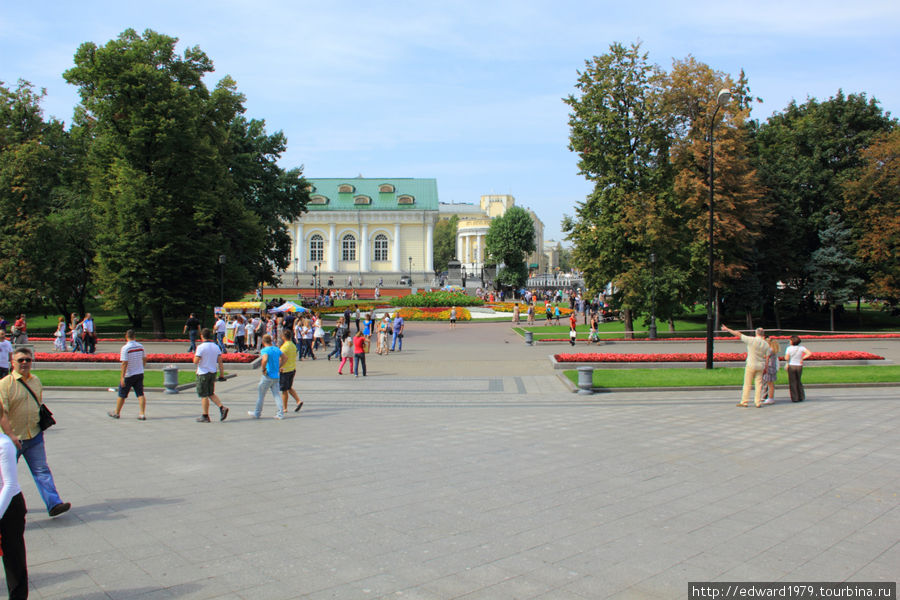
{"x":45,"y":420}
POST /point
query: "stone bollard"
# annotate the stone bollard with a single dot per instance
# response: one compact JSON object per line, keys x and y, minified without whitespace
{"x":529,"y":338}
{"x":585,"y":380}
{"x":170,"y":379}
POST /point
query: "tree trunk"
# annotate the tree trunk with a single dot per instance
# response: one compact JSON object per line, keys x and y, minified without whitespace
{"x":671,"y":325}
{"x":717,"y":322}
{"x":629,"y":324}
{"x":750,"y":320}
{"x":831,"y":314}
{"x":159,"y":326}
{"x":859,"y":311}
{"x":777,"y":316}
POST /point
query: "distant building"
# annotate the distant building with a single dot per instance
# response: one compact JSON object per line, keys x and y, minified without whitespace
{"x":365,"y":228}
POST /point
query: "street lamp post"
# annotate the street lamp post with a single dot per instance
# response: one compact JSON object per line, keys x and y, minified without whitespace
{"x":652,"y":295}
{"x":221,"y":279}
{"x":723,"y":97}
{"x":410,"y":271}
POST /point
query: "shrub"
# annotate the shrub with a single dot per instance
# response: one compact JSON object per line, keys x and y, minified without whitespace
{"x":447,"y":299}
{"x":434,"y":314}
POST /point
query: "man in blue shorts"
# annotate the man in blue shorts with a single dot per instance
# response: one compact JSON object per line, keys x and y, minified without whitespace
{"x":133,"y":360}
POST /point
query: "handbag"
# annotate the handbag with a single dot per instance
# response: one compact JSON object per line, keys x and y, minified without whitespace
{"x":45,"y":418}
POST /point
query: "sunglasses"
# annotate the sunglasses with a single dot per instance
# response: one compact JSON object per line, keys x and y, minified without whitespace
{"x":23,"y":360}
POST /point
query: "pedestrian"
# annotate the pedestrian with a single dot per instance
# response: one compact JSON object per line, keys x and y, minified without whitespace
{"x":208,"y":359}
{"x":240,"y":333}
{"x":73,"y":324}
{"x":133,"y":359}
{"x":220,"y":328}
{"x":78,"y":337}
{"x":770,"y":374}
{"x":318,"y":331}
{"x":356,"y":315}
{"x":288,"y":371}
{"x":6,"y":352}
{"x":531,"y":314}
{"x":795,"y":355}
{"x":21,"y":394}
{"x":757,"y":348}
{"x":453,"y":317}
{"x":90,"y":334}
{"x":59,"y":337}
{"x":548,"y":310}
{"x":346,"y":351}
{"x":368,"y":328}
{"x":594,"y":336}
{"x":515,"y":318}
{"x":572,"y":334}
{"x":397,"y":333}
{"x":359,"y":352}
{"x":192,"y":329}
{"x":20,"y":330}
{"x":556,"y":313}
{"x":12,"y":523}
{"x":272,"y":359}
{"x":336,"y":337}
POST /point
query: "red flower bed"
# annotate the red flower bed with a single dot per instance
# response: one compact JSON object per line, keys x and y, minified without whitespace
{"x":113,"y":357}
{"x":699,"y":357}
{"x":120,"y":339}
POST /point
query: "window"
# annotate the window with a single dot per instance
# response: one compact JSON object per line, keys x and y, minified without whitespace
{"x":346,"y":188}
{"x":348,"y":247}
{"x":316,"y":247}
{"x":406,"y":199}
{"x":381,"y":247}
{"x":318,"y":199}
{"x":362,"y":200}
{"x":386,"y":188}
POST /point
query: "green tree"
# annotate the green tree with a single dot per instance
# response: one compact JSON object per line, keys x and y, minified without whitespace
{"x":509,"y":240}
{"x":620,"y":133}
{"x":445,"y":242}
{"x":833,"y":268}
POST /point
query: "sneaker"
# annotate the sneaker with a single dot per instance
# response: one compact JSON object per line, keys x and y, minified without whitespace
{"x":203,"y":419}
{"x":768,"y":401}
{"x":253,"y":414}
{"x":59,"y":509}
{"x":142,"y":417}
{"x":223,"y":413}
{"x":113,"y":414}
{"x":279,"y":417}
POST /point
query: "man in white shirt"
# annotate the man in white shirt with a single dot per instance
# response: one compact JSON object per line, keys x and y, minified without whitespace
{"x":757,"y":348}
{"x":6,"y":350}
{"x":208,"y":359}
{"x":133,"y":360}
{"x":90,"y":336}
{"x":219,"y":328}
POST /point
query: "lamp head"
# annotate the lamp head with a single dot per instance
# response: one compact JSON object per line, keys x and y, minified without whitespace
{"x":723,"y":97}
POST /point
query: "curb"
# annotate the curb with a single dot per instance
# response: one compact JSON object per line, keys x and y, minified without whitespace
{"x":598,"y":390}
{"x":571,"y":366}
{"x":160,"y":390}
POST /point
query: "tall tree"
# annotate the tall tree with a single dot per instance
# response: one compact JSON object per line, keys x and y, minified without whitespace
{"x":445,"y":242}
{"x":509,"y":240}
{"x":177,"y":178}
{"x":619,"y":131}
{"x":833,"y":268}
{"x":872,"y":202}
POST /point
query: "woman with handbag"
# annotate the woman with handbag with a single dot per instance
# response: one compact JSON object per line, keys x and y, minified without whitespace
{"x":12,"y":523}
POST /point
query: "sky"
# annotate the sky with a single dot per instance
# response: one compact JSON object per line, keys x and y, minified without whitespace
{"x":469,"y":93}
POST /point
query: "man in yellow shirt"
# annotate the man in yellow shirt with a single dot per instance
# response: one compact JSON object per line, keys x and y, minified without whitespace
{"x":21,"y":394}
{"x":288,"y":370}
{"x":757,"y":348}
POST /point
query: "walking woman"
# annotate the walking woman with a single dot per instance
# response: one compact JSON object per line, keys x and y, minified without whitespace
{"x":359,"y":352}
{"x":12,"y":524}
{"x":368,"y":326}
{"x":59,"y":338}
{"x":795,"y":355}
{"x":346,"y":350}
{"x":318,"y":331}
{"x":770,"y":374}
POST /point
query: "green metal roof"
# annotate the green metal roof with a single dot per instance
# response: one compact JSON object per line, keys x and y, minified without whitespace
{"x":422,"y":191}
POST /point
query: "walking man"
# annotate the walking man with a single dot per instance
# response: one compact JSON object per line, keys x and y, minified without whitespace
{"x":757,"y":348}
{"x":288,"y":370}
{"x":398,"y":332}
{"x":208,"y":359}
{"x":220,"y":328}
{"x":133,"y":360}
{"x":90,"y":335}
{"x":6,"y":351}
{"x":271,"y":365}
{"x":192,"y":329}
{"x":20,"y":394}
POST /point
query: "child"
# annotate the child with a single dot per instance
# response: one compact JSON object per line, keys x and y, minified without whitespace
{"x":572,"y":335}
{"x":346,"y":351}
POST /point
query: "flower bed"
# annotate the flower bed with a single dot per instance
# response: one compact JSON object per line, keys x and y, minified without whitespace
{"x":438,"y":299}
{"x":854,"y":336}
{"x":698,"y":357}
{"x":113,"y":357}
{"x":119,"y":339}
{"x":441,"y":313}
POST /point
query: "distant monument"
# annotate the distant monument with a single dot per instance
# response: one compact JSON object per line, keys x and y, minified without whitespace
{"x":454,"y":273}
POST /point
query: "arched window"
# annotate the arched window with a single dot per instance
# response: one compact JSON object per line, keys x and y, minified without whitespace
{"x":348,"y":247}
{"x":316,"y":247}
{"x":381,"y":247}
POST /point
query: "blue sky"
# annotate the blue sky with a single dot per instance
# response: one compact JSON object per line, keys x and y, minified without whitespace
{"x":466,"y":92}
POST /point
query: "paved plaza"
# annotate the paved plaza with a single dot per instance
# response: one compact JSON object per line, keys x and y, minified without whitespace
{"x":463,"y":468}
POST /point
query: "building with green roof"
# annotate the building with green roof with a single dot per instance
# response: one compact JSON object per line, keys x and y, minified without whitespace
{"x":366,"y":229}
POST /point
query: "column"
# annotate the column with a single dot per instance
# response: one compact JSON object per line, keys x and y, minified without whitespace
{"x":468,"y":248}
{"x":364,"y":248}
{"x":332,"y":248}
{"x":300,"y":247}
{"x":395,"y":263}
{"x":458,"y":247}
{"x":429,"y":248}
{"x":477,"y":260}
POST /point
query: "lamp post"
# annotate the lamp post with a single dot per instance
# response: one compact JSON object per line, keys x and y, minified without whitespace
{"x":319,"y":277}
{"x":410,"y":271}
{"x":723,"y":97}
{"x":221,"y":279}
{"x":652,"y":295}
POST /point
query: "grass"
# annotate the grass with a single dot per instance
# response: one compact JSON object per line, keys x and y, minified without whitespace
{"x":695,"y":377}
{"x":105,"y":378}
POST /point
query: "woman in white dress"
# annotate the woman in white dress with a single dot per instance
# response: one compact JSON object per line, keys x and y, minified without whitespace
{"x":59,"y":339}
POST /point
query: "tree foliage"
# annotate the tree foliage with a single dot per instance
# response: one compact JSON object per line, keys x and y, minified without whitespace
{"x":444,"y":239}
{"x":509,"y":240}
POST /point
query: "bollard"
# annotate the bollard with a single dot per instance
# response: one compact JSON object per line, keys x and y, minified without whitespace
{"x":170,"y":379}
{"x":585,"y":380}
{"x":529,"y":338}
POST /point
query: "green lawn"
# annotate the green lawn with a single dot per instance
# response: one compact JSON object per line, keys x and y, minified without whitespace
{"x":107,"y":378}
{"x":690,"y":377}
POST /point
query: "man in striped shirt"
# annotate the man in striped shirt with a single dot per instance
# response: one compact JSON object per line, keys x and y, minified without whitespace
{"x":133,"y":360}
